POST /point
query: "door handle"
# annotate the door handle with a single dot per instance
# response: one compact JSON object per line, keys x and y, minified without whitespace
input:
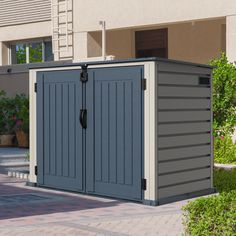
{"x":83,"y":118}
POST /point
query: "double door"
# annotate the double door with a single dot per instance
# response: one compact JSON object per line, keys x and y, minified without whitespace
{"x":89,"y":131}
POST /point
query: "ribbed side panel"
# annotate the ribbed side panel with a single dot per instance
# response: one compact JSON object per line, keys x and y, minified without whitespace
{"x":184,"y":129}
{"x":24,"y":11}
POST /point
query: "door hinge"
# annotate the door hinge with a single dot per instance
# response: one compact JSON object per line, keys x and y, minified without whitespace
{"x":84,"y":74}
{"x":36,"y":170}
{"x":143,"y":184}
{"x":35,"y":87}
{"x":144,"y":84}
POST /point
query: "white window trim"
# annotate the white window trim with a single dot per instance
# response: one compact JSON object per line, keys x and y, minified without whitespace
{"x":9,"y":55}
{"x":27,"y":53}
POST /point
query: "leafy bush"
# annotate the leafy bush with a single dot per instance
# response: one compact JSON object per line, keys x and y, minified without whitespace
{"x":224,"y":109}
{"x":225,"y":181}
{"x":7,"y":112}
{"x":14,"y":113}
{"x":224,"y":96}
{"x":225,"y":150}
{"x":22,"y":112}
{"x":215,"y":215}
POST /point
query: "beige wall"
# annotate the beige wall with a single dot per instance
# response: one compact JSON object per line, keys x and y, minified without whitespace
{"x":125,"y":14}
{"x":5,"y":54}
{"x":25,"y":31}
{"x":231,"y":37}
{"x":119,"y":43}
{"x":21,"y":32}
{"x":15,"y":83}
{"x":199,"y":42}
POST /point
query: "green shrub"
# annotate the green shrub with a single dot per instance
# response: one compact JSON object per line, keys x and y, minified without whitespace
{"x":22,"y":112}
{"x":225,"y":181}
{"x":7,"y":112}
{"x":224,"y":96}
{"x":214,"y":215}
{"x":224,"y":150}
{"x":14,"y":113}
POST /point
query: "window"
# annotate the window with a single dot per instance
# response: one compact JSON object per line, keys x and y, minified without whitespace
{"x":152,"y":43}
{"x":35,"y":52}
{"x":18,"y":54}
{"x":31,"y":52}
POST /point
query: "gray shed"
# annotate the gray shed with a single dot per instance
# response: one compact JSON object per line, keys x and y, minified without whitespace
{"x":138,"y":129}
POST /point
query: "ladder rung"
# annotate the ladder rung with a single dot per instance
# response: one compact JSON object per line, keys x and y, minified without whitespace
{"x":60,"y":27}
{"x":61,"y":15}
{"x":65,"y":50}
{"x":59,"y":4}
{"x":60,"y":34}
{"x":58,"y":39}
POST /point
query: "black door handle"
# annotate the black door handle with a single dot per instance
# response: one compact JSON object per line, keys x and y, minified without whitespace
{"x":83,"y":118}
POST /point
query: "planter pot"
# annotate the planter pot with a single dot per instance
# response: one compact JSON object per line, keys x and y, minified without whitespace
{"x":22,"y":139}
{"x":6,"y":140}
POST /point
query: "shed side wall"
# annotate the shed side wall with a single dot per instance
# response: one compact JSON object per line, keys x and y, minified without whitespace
{"x":184,"y":130}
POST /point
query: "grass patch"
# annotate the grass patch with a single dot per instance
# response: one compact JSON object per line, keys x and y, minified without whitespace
{"x":225,"y":181}
{"x":215,"y":215}
{"x":224,"y":150}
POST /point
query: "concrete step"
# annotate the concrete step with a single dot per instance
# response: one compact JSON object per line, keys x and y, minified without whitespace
{"x":12,"y":158}
{"x":15,"y":164}
{"x":6,"y":169}
{"x":23,"y":169}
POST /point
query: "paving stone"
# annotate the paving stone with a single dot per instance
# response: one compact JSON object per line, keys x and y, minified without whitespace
{"x":61,"y":213}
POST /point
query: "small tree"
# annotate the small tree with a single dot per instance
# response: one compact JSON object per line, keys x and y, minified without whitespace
{"x":224,"y":96}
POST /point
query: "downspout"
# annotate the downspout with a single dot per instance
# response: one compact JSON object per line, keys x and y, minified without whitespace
{"x":103,"y":25}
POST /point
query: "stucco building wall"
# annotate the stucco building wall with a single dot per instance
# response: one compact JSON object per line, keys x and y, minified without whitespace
{"x":200,"y":41}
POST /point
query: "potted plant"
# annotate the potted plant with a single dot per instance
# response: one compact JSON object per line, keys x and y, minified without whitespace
{"x":7,"y":124}
{"x":22,"y":120}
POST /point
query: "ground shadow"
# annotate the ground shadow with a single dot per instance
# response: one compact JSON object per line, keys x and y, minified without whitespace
{"x":32,"y":201}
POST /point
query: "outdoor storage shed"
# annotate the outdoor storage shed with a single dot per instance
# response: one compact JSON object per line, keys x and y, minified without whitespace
{"x":137,"y":129}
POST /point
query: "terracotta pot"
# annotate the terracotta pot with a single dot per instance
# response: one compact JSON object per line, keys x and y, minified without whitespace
{"x":6,"y":140}
{"x":22,"y":139}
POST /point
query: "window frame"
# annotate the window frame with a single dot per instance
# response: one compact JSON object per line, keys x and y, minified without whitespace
{"x":27,"y":43}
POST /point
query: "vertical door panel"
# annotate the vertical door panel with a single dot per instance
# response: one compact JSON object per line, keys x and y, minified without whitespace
{"x":114,"y":133}
{"x":59,"y":135}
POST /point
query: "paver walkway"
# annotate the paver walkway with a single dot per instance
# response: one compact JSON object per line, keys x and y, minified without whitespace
{"x":37,"y":211}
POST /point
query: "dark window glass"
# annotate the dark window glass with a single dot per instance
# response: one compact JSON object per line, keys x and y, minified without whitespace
{"x":48,"y":51}
{"x":158,"y":52}
{"x":35,"y":52}
{"x":18,"y":54}
{"x":152,"y":43}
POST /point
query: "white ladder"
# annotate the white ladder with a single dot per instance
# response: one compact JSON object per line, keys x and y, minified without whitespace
{"x":60,"y":30}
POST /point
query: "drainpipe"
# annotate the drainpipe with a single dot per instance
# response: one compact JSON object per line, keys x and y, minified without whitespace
{"x":103,"y":25}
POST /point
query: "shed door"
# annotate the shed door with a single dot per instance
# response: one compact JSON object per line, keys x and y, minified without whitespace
{"x":59,"y":140}
{"x":114,"y":132}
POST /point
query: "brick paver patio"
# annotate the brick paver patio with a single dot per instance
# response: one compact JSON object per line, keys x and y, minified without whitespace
{"x":37,"y":211}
